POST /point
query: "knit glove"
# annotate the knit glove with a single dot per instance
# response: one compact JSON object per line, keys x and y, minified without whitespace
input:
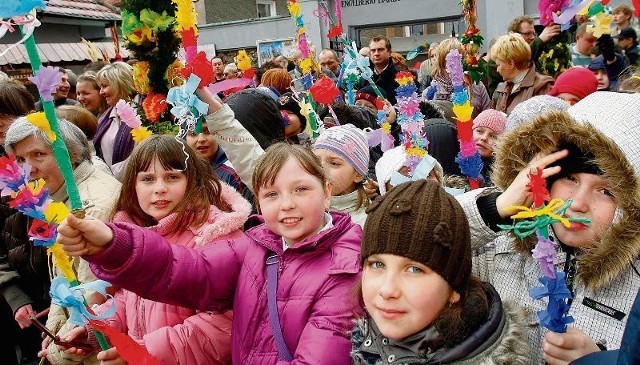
{"x":606,"y":47}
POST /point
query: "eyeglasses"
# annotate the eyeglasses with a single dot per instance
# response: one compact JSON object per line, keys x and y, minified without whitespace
{"x":528,"y":34}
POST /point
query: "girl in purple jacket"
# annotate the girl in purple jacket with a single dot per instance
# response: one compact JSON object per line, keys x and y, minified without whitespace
{"x":171,"y":191}
{"x":302,"y":259}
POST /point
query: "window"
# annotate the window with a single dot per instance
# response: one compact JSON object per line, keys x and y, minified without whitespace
{"x":266,"y":8}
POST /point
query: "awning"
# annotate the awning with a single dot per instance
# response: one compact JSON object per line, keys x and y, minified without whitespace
{"x":60,"y":52}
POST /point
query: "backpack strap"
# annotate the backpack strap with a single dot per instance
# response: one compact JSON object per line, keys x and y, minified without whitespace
{"x":274,"y":318}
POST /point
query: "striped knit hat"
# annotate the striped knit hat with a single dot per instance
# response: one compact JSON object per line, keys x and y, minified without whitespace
{"x":350,"y":143}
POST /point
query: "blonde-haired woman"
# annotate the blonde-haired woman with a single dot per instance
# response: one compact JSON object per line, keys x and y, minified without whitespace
{"x":477,"y":91}
{"x":88,"y":93}
{"x":521,"y":81}
{"x":113,"y":141}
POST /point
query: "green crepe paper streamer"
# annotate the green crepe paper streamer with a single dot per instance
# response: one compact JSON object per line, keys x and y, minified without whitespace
{"x":197,"y":129}
{"x":312,"y":117}
{"x":596,"y":8}
{"x":61,"y":155}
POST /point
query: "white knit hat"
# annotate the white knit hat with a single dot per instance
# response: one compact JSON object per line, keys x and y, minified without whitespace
{"x":390,"y":161}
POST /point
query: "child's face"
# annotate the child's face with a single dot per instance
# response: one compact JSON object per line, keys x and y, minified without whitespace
{"x":592,"y":199}
{"x":293,"y":207}
{"x":203,"y":143}
{"x":343,"y":177}
{"x":403,"y":296}
{"x":367,"y":104}
{"x":603,"y":79}
{"x":485,"y":139}
{"x":294,"y":125}
{"x":159,"y":191}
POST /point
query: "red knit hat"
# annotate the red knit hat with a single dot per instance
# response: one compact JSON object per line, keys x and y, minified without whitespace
{"x":578,"y":81}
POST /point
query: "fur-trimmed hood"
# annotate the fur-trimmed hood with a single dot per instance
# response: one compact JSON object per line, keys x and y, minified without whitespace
{"x":608,"y":126}
{"x":218,"y":223}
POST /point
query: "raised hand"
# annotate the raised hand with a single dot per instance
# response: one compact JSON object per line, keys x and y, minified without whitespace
{"x":517,"y":192}
{"x":87,"y":236}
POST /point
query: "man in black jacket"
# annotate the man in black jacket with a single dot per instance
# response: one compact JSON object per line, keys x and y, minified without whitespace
{"x":384,"y":70}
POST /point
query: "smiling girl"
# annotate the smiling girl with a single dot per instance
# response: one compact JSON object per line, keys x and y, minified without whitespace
{"x":303,"y":260}
{"x":176,"y":195}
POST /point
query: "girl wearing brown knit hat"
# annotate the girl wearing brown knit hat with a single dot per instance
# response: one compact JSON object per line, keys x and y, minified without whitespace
{"x":423,"y":305}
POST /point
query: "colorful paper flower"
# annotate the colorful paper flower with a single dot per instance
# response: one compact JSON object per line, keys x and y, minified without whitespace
{"x":140,"y":77}
{"x":324,"y":91}
{"x":140,"y":134}
{"x":154,"y":106}
{"x":40,"y":120}
{"x":47,"y":80}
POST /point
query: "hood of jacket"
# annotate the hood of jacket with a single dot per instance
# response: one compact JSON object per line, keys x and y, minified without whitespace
{"x":218,"y":223}
{"x":606,"y":125}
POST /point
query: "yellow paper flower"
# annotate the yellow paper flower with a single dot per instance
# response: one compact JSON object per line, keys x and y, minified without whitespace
{"x":386,"y":127}
{"x":402,"y":81}
{"x":56,"y":212}
{"x":142,"y":35}
{"x":294,"y":9}
{"x":548,"y":210}
{"x":40,"y":120}
{"x":463,"y":112}
{"x":243,"y":61}
{"x":186,"y":15}
{"x":62,"y":261}
{"x":306,"y":65}
{"x":140,"y":134}
{"x":602,"y":25}
{"x":35,"y":186}
{"x":415,"y":151}
{"x":140,"y":78}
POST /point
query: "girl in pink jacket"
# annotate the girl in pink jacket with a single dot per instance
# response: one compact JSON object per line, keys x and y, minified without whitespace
{"x":303,"y":258}
{"x":176,"y":195}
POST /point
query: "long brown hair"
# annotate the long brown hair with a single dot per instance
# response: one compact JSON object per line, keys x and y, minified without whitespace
{"x":457,"y":321}
{"x":203,"y":186}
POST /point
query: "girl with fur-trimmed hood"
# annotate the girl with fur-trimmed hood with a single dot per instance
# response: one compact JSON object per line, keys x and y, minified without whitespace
{"x":590,"y":155}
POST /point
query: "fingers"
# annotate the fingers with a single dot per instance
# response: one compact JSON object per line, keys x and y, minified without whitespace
{"x":562,"y":348}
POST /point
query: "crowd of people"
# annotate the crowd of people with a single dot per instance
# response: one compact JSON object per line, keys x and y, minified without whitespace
{"x":252,"y":241}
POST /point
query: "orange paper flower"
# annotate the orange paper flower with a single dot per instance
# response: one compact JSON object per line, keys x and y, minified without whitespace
{"x":154,"y":106}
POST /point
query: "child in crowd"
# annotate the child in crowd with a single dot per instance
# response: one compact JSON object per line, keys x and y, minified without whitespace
{"x":207,"y":146}
{"x":176,"y":195}
{"x":303,"y":261}
{"x":294,"y":121}
{"x":591,"y":156}
{"x":423,"y":304}
{"x":344,"y":152}
{"x":487,"y":127}
{"x":574,"y":84}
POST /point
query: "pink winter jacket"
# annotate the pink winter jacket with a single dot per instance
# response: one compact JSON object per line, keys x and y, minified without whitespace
{"x":315,"y":295}
{"x":175,"y":334}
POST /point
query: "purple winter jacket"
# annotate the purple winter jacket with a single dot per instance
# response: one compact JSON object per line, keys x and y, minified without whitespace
{"x":316,"y":299}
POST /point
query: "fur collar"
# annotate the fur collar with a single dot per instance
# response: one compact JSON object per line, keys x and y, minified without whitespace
{"x":620,"y":245}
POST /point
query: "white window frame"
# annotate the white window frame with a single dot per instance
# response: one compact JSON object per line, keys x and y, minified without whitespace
{"x":270,"y":3}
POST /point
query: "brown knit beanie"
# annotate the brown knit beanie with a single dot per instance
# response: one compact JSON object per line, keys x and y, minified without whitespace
{"x":421,"y":221}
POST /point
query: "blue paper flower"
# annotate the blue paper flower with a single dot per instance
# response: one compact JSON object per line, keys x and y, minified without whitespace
{"x":470,"y":166}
